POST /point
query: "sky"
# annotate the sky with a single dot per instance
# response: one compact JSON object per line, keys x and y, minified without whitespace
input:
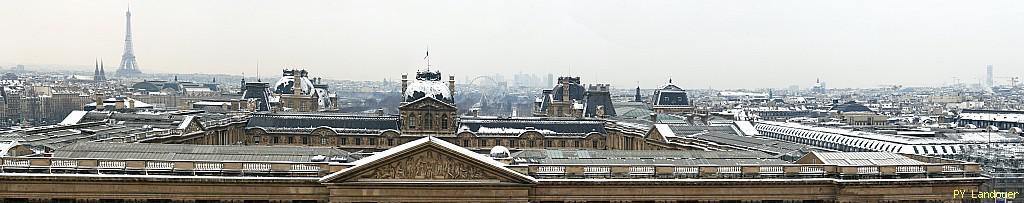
{"x":697,"y":43}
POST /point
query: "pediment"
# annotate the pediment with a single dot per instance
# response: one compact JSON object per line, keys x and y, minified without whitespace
{"x":427,"y":160}
{"x":428,"y":103}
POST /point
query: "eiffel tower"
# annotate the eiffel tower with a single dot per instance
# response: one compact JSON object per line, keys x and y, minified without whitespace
{"x":129,"y":67}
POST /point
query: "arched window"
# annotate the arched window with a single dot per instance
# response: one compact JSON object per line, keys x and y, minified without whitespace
{"x":428,"y":121}
{"x":444,"y":122}
{"x":412,"y":121}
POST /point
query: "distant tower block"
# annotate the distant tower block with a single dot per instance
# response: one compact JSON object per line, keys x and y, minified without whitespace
{"x":988,"y":76}
{"x":129,"y":67}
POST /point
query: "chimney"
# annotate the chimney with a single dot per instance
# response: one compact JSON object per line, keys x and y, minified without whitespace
{"x":99,"y":101}
{"x":405,"y":82}
{"x":297,"y":88}
{"x":654,"y":117}
{"x":131,"y":104}
{"x":565,"y":91}
{"x":118,"y":104}
{"x":380,"y":112}
{"x":451,"y":87}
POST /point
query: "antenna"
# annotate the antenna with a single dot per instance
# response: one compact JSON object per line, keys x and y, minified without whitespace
{"x":427,"y":57}
{"x":258,"y":71}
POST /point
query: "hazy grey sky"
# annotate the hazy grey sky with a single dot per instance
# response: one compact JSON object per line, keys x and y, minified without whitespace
{"x":716,"y":43}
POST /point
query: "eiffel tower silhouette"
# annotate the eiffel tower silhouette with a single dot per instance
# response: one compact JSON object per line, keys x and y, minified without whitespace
{"x":129,"y":67}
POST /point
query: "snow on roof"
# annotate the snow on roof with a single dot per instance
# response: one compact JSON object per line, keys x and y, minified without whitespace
{"x":210,"y":103}
{"x":489,"y":130}
{"x":429,"y":88}
{"x":747,"y":128}
{"x":865,"y":158}
{"x":6,"y":146}
{"x":184,"y":124}
{"x":285,"y":82}
{"x":73,"y":118}
{"x":985,"y":137}
{"x":665,"y":131}
{"x":861,"y":134}
{"x":1001,"y":117}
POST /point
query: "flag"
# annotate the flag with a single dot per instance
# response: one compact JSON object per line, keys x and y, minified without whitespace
{"x":428,"y":54}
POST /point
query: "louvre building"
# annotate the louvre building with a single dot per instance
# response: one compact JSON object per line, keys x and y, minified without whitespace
{"x":280,"y":148}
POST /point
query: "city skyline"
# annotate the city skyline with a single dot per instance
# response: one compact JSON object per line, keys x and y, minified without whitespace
{"x":740,"y":44}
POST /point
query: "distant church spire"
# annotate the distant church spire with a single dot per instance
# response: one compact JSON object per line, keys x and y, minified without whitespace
{"x":98,"y":74}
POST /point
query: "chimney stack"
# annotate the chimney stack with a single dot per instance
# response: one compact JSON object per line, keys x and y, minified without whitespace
{"x":405,"y":82}
{"x":297,"y":88}
{"x":451,"y":86}
{"x":99,"y":101}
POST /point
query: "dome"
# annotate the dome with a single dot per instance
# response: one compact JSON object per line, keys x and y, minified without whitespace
{"x":428,"y":84}
{"x":576,"y":92}
{"x":499,"y":152}
{"x":285,"y":84}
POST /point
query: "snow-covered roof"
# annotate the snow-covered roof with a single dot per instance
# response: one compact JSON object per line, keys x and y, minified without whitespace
{"x":865,"y":159}
{"x":6,"y":146}
{"x":73,"y":117}
{"x":286,"y":83}
{"x":747,"y":128}
{"x":1000,"y":117}
{"x":211,"y":103}
{"x":665,"y":131}
{"x":422,"y":88}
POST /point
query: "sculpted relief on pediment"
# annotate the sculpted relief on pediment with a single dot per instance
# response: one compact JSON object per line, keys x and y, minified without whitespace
{"x":429,"y":165}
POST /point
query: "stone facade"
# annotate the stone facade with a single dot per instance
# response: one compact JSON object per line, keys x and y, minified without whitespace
{"x":432,"y":170}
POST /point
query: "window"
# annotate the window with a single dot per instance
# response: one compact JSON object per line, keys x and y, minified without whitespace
{"x":562,"y":143}
{"x":323,"y":140}
{"x":256,"y":139}
{"x":444,"y":122}
{"x":274,"y":140}
{"x":465,"y":143}
{"x":483,"y":142}
{"x":547,"y":143}
{"x":428,"y":121}
{"x":305,"y":140}
{"x":291,"y":139}
{"x":576,"y":143}
{"x":533,"y":143}
{"x":373,"y":141}
{"x":512,"y":143}
{"x":391,"y":141}
{"x":358,"y":141}
{"x":412,"y":121}
{"x":343,"y":141}
{"x":594,"y":144}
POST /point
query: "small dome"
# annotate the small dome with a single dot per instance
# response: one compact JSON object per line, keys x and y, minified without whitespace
{"x":285,"y":84}
{"x":499,"y":152}
{"x":428,"y":83}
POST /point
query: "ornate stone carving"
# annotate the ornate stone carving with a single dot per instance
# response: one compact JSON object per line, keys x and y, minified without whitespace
{"x":429,"y":165}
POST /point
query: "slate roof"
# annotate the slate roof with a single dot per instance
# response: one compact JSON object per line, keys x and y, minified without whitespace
{"x":865,"y":158}
{"x":670,"y":95}
{"x":154,"y":151}
{"x":309,"y":121}
{"x":260,"y":92}
{"x":851,"y":106}
{"x":484,"y":126}
{"x":671,"y":98}
{"x":595,"y":99}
